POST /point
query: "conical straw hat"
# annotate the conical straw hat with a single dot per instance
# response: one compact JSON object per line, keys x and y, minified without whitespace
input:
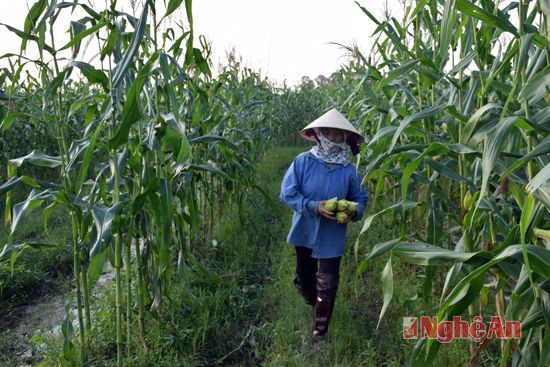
{"x":333,"y":119}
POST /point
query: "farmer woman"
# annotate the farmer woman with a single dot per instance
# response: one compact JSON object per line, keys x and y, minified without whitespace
{"x":314,"y":177}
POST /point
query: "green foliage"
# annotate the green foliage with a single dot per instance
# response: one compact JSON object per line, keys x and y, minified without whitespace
{"x":454,"y":88}
{"x":147,"y":149}
{"x":36,"y":271}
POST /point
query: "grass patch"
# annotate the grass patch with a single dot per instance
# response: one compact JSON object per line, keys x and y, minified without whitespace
{"x":36,"y":272}
{"x":222,"y":323}
{"x":254,"y":315}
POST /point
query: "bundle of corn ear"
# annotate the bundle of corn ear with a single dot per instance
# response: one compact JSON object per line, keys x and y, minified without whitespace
{"x":342,"y":205}
{"x":352,"y":207}
{"x":343,"y":208}
{"x":341,"y":217}
{"x":331,"y":204}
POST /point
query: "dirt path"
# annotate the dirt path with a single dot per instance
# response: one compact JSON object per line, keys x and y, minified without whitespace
{"x":31,"y":327}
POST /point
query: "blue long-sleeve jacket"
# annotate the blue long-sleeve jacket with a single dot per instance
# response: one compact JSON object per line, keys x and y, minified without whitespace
{"x":309,"y":180}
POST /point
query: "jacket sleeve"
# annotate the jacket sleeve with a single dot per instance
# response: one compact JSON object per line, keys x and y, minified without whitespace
{"x":291,"y":194}
{"x":358,"y":193}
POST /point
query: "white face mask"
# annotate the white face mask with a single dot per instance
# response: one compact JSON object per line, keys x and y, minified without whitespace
{"x":330,"y":152}
{"x":328,"y":145}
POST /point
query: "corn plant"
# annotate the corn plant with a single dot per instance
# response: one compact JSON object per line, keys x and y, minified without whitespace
{"x":454,"y":98}
{"x":157,"y":141}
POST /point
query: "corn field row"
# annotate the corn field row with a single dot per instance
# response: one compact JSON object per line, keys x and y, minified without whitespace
{"x":455,"y":98}
{"x":149,"y":147}
{"x":160,"y":145}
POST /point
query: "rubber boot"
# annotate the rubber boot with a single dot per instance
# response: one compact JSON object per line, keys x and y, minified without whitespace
{"x":327,"y":285}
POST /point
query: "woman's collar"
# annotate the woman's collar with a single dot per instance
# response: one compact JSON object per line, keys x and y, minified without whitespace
{"x":322,"y":161}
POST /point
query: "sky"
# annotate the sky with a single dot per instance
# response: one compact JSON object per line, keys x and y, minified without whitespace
{"x":283,"y":39}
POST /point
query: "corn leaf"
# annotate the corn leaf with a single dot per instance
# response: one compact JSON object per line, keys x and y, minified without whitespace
{"x":131,"y":111}
{"x":137,"y":36}
{"x":22,"y":209}
{"x":497,"y":21}
{"x":37,"y":158}
{"x":387,"y":286}
{"x":80,"y":36}
{"x":540,"y":179}
{"x":92,"y":74}
{"x":494,"y":145}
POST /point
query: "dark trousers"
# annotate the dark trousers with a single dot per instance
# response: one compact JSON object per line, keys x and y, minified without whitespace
{"x":306,"y":266}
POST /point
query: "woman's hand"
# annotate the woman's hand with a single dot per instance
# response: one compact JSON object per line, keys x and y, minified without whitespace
{"x":323,"y":212}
